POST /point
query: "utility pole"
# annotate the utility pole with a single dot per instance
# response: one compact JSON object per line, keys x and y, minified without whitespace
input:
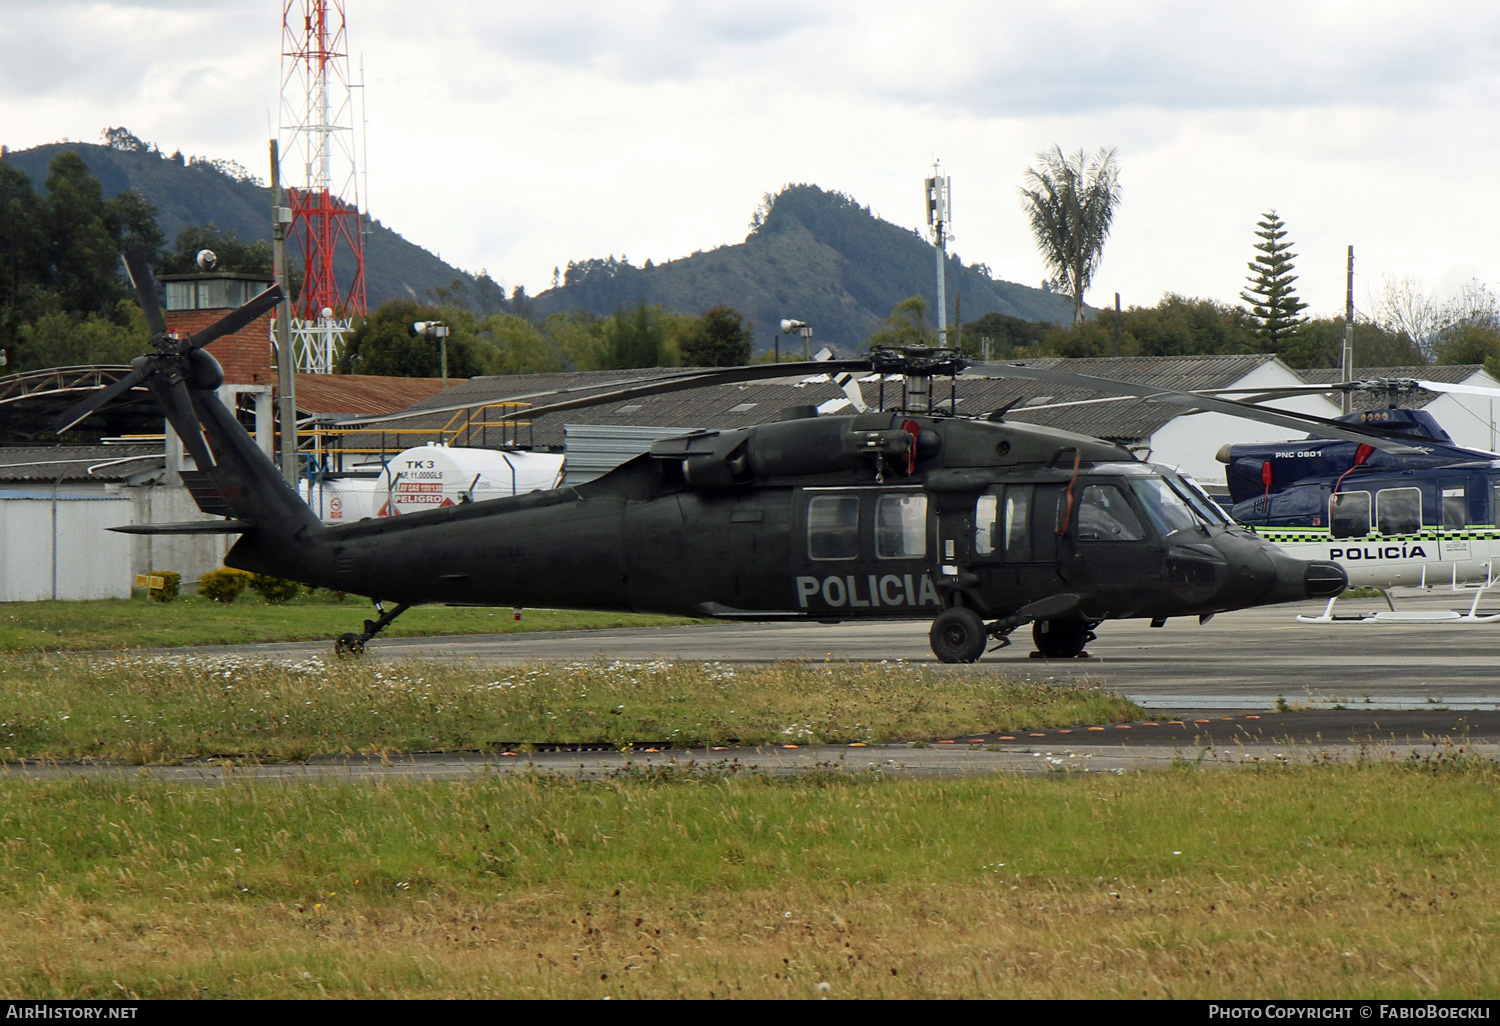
{"x":1348,"y":361}
{"x":281,"y":216}
{"x":1117,"y":324}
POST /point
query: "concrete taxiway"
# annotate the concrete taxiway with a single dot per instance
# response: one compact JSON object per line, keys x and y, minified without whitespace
{"x":1252,"y":660}
{"x":1248,"y":688}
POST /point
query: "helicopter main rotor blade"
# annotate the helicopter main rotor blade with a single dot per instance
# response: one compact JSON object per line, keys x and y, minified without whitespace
{"x":1388,"y":441}
{"x":1365,"y":385}
{"x":637,"y":387}
{"x":1457,"y":389}
{"x":235,"y":319}
{"x":139,"y":269}
{"x":99,"y":398}
{"x":193,"y":442}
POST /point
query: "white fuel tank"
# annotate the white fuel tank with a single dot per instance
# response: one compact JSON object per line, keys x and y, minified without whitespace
{"x":433,"y":476}
{"x":430,"y":477}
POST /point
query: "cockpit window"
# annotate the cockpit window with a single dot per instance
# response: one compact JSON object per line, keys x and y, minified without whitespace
{"x":1197,"y":498}
{"x":1169,"y":511}
{"x":1104,"y":515}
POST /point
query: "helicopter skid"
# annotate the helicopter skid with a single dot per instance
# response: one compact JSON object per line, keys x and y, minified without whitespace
{"x":1387,"y":616}
{"x":1393,"y":615}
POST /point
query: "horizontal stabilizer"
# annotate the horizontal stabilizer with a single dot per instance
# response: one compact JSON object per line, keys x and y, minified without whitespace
{"x":189,"y":527}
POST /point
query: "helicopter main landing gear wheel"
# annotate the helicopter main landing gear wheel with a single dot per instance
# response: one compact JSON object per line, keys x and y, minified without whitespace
{"x":958,"y":636}
{"x":352,"y":646}
{"x":1062,"y":639}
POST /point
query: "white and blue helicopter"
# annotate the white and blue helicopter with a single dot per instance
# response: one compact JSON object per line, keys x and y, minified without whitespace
{"x":1422,"y":517}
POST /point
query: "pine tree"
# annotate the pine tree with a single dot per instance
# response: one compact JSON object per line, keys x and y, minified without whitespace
{"x":1273,"y":302}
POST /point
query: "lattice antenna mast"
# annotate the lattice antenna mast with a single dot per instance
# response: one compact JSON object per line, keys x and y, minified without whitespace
{"x":317,"y":140}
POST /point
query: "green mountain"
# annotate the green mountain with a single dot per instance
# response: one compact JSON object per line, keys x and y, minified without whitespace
{"x":200,"y":192}
{"x":814,"y":256}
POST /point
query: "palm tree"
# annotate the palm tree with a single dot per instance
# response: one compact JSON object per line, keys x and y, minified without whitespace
{"x":1071,"y":203}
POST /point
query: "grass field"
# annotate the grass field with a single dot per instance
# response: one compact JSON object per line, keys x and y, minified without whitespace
{"x":1329,"y":881}
{"x":144,"y":709}
{"x":138,"y":623}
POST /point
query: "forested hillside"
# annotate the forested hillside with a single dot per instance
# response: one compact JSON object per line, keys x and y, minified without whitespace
{"x":200,"y":192}
{"x":811,"y":255}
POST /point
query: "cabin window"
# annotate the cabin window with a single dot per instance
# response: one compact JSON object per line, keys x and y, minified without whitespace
{"x":1004,"y":524}
{"x":901,"y":527}
{"x":1017,"y":524}
{"x":986,"y":522}
{"x":1399,"y":510}
{"x":833,"y":527}
{"x":1104,"y":515}
{"x":1455,"y":508}
{"x":1349,"y":514}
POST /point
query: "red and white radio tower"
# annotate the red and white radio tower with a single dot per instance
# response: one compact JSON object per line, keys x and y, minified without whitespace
{"x":317,"y":144}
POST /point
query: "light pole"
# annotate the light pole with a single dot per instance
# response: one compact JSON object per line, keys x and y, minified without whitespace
{"x":788,"y":326}
{"x":439,"y":331}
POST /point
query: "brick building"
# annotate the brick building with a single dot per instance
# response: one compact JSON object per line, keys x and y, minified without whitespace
{"x":194,"y":301}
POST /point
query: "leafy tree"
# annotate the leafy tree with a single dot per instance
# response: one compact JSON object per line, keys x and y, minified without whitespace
{"x":23,"y":247}
{"x":510,"y":345}
{"x":1003,"y":334}
{"x":234,"y":254}
{"x":132,"y":222}
{"x":1071,"y":203}
{"x":83,"y":253}
{"x":720,"y":338}
{"x":62,"y":338}
{"x":126,"y":140}
{"x":906,"y":326}
{"x":1471,"y":343}
{"x":1320,"y":343}
{"x":634,"y":339}
{"x":62,"y":294}
{"x":580,"y":337}
{"x":1273,"y":301}
{"x":384,"y":343}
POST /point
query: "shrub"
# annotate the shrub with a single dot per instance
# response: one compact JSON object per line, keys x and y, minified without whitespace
{"x":223,"y":585}
{"x":274,"y":589}
{"x":171,"y":583}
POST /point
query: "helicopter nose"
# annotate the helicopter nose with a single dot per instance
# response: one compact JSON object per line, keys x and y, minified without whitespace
{"x":1298,"y":579}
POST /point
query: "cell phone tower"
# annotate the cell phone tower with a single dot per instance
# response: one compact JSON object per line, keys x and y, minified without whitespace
{"x":939,"y":192}
{"x":317,"y":146}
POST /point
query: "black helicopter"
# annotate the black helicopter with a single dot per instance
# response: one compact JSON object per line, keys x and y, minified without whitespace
{"x":980,"y":525}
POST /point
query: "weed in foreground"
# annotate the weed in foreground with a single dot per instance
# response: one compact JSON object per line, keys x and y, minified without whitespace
{"x":145,"y":709}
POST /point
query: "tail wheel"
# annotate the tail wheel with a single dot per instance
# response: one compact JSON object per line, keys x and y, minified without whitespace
{"x":1062,"y":639}
{"x":958,"y":636}
{"x":349,"y":646}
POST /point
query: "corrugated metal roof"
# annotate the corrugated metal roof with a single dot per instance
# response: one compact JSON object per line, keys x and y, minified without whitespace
{"x":74,"y":462}
{"x":362,"y":394}
{"x":1105,"y":414}
{"x":740,"y":405}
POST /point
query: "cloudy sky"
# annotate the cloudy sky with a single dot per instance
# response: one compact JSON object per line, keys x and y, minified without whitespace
{"x":514,"y":135}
